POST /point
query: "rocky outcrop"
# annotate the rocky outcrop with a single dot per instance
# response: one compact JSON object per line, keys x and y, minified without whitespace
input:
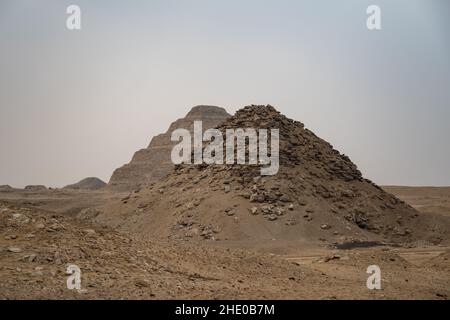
{"x":153,"y":163}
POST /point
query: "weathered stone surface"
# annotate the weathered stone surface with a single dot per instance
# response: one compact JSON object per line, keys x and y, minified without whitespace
{"x":153,"y":163}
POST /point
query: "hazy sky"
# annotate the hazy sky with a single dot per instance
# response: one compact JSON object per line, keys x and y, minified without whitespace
{"x":80,"y":103}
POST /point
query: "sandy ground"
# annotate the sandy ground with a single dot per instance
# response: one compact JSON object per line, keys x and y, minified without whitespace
{"x":424,"y":199}
{"x":42,"y":233}
{"x":68,"y":202}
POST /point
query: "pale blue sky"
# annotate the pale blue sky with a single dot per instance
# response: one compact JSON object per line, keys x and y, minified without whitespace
{"x":79,"y":103}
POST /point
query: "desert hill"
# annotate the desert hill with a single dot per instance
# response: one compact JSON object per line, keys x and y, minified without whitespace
{"x":153,"y":163}
{"x":90,"y":183}
{"x":318,"y":196}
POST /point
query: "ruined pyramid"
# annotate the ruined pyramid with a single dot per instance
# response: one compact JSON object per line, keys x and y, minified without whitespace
{"x":317,"y":196}
{"x":153,"y":163}
{"x":90,"y":183}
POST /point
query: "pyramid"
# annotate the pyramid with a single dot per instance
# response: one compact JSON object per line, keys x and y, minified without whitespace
{"x":317,"y":196}
{"x":153,"y":163}
{"x":90,"y":183}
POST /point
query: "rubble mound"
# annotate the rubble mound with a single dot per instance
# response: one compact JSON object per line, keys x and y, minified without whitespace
{"x":153,"y":163}
{"x":90,"y":183}
{"x":317,"y":196}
